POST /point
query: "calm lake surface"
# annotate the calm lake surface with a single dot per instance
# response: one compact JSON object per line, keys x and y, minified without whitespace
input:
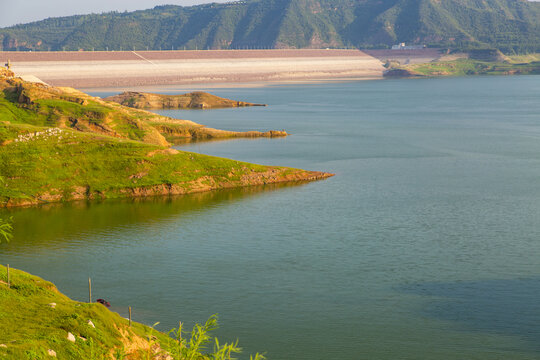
{"x":425,"y":245}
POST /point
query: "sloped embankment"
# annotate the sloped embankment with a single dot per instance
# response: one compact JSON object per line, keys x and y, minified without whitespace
{"x":38,"y":322}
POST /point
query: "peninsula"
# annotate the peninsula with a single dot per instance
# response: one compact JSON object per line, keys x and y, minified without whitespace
{"x":193,"y":100}
{"x":60,"y":144}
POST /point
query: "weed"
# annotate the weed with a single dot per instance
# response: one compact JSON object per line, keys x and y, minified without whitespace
{"x":6,"y":229}
{"x":194,"y":347}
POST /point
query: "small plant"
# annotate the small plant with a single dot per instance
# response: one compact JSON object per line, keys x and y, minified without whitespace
{"x":120,"y":354}
{"x":194,"y":348}
{"x":257,"y":357}
{"x":6,"y":229}
{"x":225,"y":351}
{"x":151,"y":343}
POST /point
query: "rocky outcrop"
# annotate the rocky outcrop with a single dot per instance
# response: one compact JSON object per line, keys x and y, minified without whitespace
{"x":177,"y":134}
{"x":193,"y":100}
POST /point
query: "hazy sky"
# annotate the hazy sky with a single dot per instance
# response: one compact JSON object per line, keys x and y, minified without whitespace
{"x":22,"y":11}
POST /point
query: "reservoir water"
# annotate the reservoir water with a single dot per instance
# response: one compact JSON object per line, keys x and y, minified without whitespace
{"x":425,"y":245}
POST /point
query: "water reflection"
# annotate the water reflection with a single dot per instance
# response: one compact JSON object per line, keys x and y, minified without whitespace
{"x":179,"y":141}
{"x":53,"y":224}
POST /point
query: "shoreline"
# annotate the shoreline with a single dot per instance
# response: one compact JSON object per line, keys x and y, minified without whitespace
{"x":260,"y":80}
{"x":201,"y":86}
{"x":270,"y":177}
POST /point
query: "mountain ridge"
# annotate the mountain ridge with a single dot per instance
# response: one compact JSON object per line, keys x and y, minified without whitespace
{"x":510,"y":25}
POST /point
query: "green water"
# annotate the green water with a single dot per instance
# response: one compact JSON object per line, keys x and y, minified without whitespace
{"x":425,"y":245}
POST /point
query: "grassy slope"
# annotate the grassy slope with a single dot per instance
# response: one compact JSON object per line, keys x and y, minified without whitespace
{"x":30,"y":326}
{"x":462,"y":67}
{"x":28,"y":103}
{"x":527,"y":58}
{"x":510,"y":25}
{"x":45,"y":158}
{"x":52,"y":165}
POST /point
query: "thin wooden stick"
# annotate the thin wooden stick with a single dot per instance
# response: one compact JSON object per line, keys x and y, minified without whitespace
{"x":89,"y":290}
{"x":129,"y":316}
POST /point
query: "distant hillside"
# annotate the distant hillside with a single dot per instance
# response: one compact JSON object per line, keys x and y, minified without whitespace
{"x":510,"y":25}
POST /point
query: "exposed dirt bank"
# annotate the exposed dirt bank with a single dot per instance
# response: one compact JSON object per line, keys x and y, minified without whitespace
{"x":271,"y":176}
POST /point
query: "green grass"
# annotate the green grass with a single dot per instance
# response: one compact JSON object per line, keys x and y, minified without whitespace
{"x":464,"y":67}
{"x":61,"y":110}
{"x":12,"y":113}
{"x":30,"y":326}
{"x":103,"y":165}
{"x":526,"y":58}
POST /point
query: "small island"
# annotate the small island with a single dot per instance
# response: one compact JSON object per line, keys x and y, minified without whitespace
{"x":192,"y":100}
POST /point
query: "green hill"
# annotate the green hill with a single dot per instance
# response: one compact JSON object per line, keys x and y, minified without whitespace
{"x":510,"y":25}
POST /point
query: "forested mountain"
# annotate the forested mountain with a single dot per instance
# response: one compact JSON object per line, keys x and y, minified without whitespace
{"x":510,"y":25}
